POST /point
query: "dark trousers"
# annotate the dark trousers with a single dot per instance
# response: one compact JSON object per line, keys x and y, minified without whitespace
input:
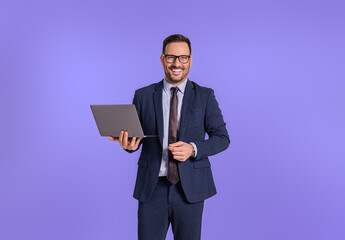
{"x":169,"y":205}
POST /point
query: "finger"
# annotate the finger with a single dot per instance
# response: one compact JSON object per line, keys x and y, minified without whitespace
{"x":176,"y":144}
{"x":114,"y":139}
{"x":178,"y":153}
{"x":125,"y":139}
{"x":178,"y":149}
{"x":181,"y":159}
{"x":121,"y":138}
{"x":133,"y":142}
{"x":174,"y":148}
{"x":137,"y":142}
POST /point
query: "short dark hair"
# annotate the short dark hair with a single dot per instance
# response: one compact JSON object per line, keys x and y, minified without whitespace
{"x":176,"y":38}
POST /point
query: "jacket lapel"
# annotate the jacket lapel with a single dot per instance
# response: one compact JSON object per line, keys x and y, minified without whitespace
{"x":157,"y":99}
{"x":188,"y":99}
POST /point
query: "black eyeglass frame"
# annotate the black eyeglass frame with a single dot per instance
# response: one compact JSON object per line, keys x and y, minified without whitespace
{"x":178,"y":57}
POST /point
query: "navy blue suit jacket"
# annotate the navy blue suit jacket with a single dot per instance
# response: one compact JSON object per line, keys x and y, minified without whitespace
{"x":200,"y":114}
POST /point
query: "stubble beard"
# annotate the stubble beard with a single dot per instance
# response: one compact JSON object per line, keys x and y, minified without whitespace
{"x":169,"y":78}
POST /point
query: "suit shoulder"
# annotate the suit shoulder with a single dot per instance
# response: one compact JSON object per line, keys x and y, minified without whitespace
{"x":147,"y":89}
{"x":201,"y":89}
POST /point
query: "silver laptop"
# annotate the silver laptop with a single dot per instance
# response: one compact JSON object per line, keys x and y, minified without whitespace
{"x":112,"y":119}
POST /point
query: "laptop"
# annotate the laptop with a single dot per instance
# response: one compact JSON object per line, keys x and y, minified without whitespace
{"x":113,"y":118}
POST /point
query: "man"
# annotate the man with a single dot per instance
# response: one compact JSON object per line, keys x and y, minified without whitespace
{"x":174,"y":175}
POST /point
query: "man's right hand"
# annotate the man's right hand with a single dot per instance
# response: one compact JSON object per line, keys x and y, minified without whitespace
{"x":125,"y":142}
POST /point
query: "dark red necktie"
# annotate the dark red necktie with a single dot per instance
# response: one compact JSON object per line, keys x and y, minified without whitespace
{"x":172,"y":174}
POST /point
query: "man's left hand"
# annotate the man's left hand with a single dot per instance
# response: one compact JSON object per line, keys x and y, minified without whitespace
{"x":181,"y":150}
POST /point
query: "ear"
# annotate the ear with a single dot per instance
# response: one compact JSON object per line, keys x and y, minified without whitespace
{"x":162,"y":59}
{"x":190,"y":60}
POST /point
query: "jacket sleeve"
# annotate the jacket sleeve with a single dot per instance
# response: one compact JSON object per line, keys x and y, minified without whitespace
{"x":215,"y":127}
{"x":136,"y":103}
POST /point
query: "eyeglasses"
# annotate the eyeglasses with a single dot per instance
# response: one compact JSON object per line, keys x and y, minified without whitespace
{"x":172,"y":58}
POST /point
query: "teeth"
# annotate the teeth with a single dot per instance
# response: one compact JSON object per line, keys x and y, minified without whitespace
{"x":176,"y":70}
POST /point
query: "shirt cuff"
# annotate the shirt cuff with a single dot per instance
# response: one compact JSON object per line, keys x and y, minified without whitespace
{"x":195,"y":149}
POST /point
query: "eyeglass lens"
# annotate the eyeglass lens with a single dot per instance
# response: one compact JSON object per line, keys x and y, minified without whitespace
{"x":182,"y":58}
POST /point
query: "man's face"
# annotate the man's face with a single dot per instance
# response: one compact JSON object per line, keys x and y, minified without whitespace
{"x":176,"y":72}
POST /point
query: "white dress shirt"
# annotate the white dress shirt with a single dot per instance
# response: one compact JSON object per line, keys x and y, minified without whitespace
{"x":166,"y":97}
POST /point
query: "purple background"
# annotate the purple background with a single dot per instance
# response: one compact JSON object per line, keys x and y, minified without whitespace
{"x":277,"y":68}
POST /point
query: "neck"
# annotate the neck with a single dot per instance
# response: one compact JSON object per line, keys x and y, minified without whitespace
{"x":175,"y":83}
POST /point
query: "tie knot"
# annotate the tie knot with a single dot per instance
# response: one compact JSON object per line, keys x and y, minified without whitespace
{"x":174,"y":89}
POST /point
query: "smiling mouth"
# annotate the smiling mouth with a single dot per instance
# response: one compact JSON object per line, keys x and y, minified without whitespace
{"x":176,"y":71}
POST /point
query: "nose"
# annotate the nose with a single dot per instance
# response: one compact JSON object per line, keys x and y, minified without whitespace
{"x":177,"y":63}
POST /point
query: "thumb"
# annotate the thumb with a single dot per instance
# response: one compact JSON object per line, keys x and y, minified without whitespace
{"x":113,"y":139}
{"x":176,"y":144}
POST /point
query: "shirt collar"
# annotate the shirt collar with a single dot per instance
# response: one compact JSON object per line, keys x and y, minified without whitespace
{"x":181,"y":86}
